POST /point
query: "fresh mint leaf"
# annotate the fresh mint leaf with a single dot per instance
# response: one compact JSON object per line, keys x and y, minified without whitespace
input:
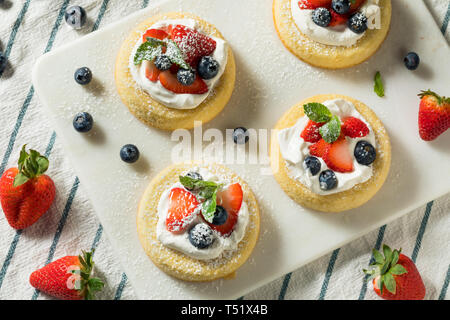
{"x":331,"y":131}
{"x":378,"y":87}
{"x":317,"y":112}
{"x":209,"y":207}
{"x":148,"y":50}
{"x":175,"y":55}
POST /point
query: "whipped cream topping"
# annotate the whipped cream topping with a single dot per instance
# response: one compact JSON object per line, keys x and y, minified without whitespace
{"x":180,"y":241}
{"x":339,"y":35}
{"x":167,"y":97}
{"x":294,"y":150}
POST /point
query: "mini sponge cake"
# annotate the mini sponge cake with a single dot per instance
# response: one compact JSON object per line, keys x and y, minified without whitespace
{"x":328,"y":56}
{"x":154,"y":113}
{"x":176,"y":263}
{"x":341,"y":201}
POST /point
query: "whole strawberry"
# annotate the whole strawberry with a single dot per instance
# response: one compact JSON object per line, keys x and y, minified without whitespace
{"x":68,"y":278}
{"x":395,"y":276}
{"x":26,"y":193}
{"x":434,"y":115}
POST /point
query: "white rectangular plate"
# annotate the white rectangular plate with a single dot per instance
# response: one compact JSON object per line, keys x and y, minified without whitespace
{"x":269,"y":81}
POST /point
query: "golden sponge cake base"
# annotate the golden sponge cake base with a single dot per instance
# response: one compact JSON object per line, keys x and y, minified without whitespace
{"x":345,"y":200}
{"x":326,"y":56}
{"x":156,"y":114}
{"x":176,"y":263}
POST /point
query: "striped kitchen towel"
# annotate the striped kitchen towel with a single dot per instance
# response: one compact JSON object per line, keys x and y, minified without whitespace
{"x":30,"y":28}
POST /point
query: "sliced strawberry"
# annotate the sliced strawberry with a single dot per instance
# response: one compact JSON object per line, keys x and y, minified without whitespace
{"x":170,"y":82}
{"x":231,"y":200}
{"x":154,"y":33}
{"x":319,"y":148}
{"x":337,"y":19}
{"x":314,"y":4}
{"x":151,"y":71}
{"x":193,"y":43}
{"x":354,"y":5}
{"x":311,"y":132}
{"x":182,"y":205}
{"x":338,"y":156}
{"x":354,"y":128}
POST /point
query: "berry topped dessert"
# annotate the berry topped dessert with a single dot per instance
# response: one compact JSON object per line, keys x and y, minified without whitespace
{"x":332,"y":33}
{"x":202,"y":216}
{"x":331,"y":146}
{"x":173,"y":69}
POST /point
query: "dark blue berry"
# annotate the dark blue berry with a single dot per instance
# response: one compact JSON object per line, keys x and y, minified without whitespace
{"x":341,"y":6}
{"x":162,"y":62}
{"x":83,"y":75}
{"x":194,"y":175}
{"x":83,"y":122}
{"x":327,"y":180}
{"x":75,"y":17}
{"x":129,"y":153}
{"x":412,"y":61}
{"x":186,"y":77}
{"x":357,"y":22}
{"x":240,"y":135}
{"x":3,"y":62}
{"x":220,"y":216}
{"x":201,"y":236}
{"x":365,"y":153}
{"x":313,"y":164}
{"x":208,"y":68}
{"x":321,"y":16}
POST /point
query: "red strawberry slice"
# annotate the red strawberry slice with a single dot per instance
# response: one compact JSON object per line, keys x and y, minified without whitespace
{"x":170,"y":82}
{"x":181,"y":207}
{"x":311,"y":132}
{"x":231,"y":200}
{"x":319,"y":148}
{"x":434,"y":115}
{"x":314,"y":4}
{"x":151,"y":71}
{"x":193,"y":43}
{"x":354,"y":128}
{"x":338,"y":157}
{"x":337,"y":19}
{"x":154,"y":33}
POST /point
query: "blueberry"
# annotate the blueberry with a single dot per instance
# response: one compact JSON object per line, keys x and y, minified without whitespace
{"x":208,"y":67}
{"x":83,"y":75}
{"x":186,"y":77}
{"x":129,"y":153}
{"x":83,"y":122}
{"x":201,"y":236}
{"x":162,"y":62}
{"x":327,"y":180}
{"x":240,"y":135}
{"x":412,"y":61}
{"x":3,"y":62}
{"x":75,"y":17}
{"x":321,"y":16}
{"x":220,"y":216}
{"x":313,"y":164}
{"x":365,"y":153}
{"x":341,"y":6}
{"x":194,"y":175}
{"x":357,"y":22}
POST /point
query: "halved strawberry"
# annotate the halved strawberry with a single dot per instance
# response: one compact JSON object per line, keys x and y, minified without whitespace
{"x":338,"y":156}
{"x":355,"y":4}
{"x":311,"y":132}
{"x":319,"y":148}
{"x":354,"y":128}
{"x":170,"y":82}
{"x":154,"y":33}
{"x":314,"y":4}
{"x":182,"y":205}
{"x":337,"y":19}
{"x":231,"y":200}
{"x":151,"y":71}
{"x":192,"y":43}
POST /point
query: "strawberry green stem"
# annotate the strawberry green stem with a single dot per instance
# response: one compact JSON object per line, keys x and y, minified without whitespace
{"x":31,"y":165}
